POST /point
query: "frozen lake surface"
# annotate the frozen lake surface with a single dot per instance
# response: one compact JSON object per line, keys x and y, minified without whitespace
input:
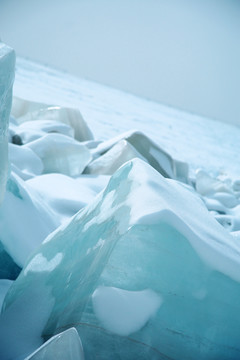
{"x":201,"y":142}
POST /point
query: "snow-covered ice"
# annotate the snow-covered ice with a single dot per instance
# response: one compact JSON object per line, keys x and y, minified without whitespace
{"x":65,"y":195}
{"x":198,"y":141}
{"x":130,"y":236}
{"x":24,"y":161}
{"x":21,"y":213}
{"x":137,"y":235}
{"x":33,"y":130}
{"x":61,"y":154}
{"x":24,"y":110}
{"x":131,"y":145}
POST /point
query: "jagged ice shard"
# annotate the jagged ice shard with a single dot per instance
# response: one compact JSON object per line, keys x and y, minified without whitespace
{"x":138,"y":274}
{"x":24,"y":111}
{"x":64,"y":346}
{"x":110,"y":154}
{"x":7,"y":70}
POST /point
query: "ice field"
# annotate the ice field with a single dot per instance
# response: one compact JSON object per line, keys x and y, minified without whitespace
{"x":119,"y":222}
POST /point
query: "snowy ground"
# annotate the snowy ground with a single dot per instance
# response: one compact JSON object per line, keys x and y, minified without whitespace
{"x":201,"y":142}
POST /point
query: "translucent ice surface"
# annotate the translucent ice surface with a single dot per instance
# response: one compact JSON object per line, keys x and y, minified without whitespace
{"x":64,"y":346}
{"x":7,"y":71}
{"x":135,"y":144}
{"x":110,"y":161}
{"x":8,"y":267}
{"x":168,"y":275}
{"x":23,"y":325}
{"x":4,"y":287}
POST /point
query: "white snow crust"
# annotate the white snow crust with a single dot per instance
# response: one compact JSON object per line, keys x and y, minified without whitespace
{"x":124,"y":312}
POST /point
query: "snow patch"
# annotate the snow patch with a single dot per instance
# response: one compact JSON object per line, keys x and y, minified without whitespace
{"x":122,"y":311}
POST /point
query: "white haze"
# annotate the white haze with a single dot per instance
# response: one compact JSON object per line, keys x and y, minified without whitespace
{"x":178,"y":52}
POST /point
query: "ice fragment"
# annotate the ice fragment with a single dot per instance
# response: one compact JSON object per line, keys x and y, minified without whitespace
{"x":64,"y":346}
{"x":7,"y":71}
{"x":137,"y":235}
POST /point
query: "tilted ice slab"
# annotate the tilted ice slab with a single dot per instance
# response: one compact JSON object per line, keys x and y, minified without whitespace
{"x":7,"y":71}
{"x":136,"y":243}
{"x":64,"y":346}
{"x":24,"y":110}
{"x":115,"y":152}
{"x":108,"y":162}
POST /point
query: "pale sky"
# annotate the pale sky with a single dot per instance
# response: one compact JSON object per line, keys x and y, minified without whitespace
{"x":178,"y":52}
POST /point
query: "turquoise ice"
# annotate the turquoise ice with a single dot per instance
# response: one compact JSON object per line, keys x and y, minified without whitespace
{"x":142,"y":272}
{"x":7,"y":70}
{"x":64,"y":346}
{"x":8,"y":267}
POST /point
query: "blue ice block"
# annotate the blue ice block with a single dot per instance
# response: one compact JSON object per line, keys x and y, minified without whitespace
{"x":144,"y":272}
